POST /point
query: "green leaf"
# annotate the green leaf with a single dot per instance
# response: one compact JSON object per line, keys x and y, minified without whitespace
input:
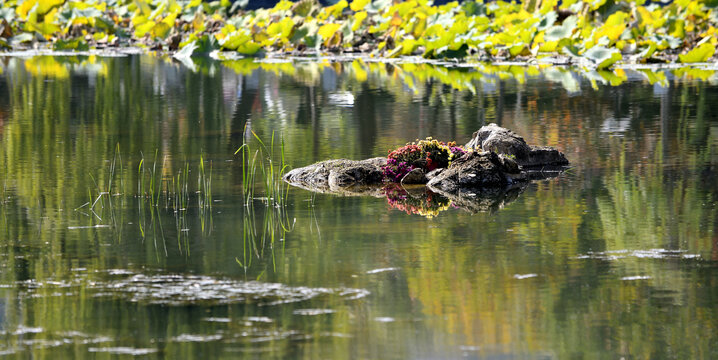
{"x":73,"y":44}
{"x":143,"y":29}
{"x":547,"y":21}
{"x":603,"y":57}
{"x":21,"y":38}
{"x":377,"y":6}
{"x":7,"y":13}
{"x":649,"y":51}
{"x":562,"y":31}
{"x":301,"y":33}
{"x":249,"y":48}
{"x":473,"y":8}
{"x":700,"y":54}
{"x":186,"y":51}
{"x":161,"y":30}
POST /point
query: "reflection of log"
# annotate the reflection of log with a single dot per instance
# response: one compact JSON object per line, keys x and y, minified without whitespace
{"x":429,"y":201}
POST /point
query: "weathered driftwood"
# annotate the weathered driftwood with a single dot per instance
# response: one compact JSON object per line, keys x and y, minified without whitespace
{"x":501,"y":160}
{"x":338,"y":175}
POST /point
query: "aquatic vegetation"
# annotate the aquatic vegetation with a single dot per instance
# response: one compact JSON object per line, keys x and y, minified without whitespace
{"x":157,"y":186}
{"x":427,"y":155}
{"x":272,"y":167}
{"x":595,"y":33}
{"x":182,"y":290}
{"x":276,"y":223}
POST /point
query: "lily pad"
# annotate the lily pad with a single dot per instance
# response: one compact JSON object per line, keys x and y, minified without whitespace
{"x":603,"y":57}
{"x":700,"y":54}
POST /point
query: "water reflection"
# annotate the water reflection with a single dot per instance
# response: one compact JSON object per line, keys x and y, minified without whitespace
{"x":615,"y":258}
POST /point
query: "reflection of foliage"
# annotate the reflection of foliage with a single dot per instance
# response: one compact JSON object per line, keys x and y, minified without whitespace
{"x":426,"y":154}
{"x":598,"y":33}
{"x":425,"y":204}
{"x":59,"y":67}
{"x":470,"y":77}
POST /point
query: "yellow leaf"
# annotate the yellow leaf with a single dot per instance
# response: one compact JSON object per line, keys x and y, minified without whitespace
{"x":419,"y":25}
{"x":336,"y":9}
{"x":547,"y":5}
{"x":138,"y":19}
{"x":273,"y":29}
{"x":617,"y":18}
{"x":161,"y":30}
{"x":612,"y":32}
{"x":249,"y":48}
{"x":174,"y":7}
{"x":358,"y":5}
{"x":549,"y":46}
{"x":23,"y":9}
{"x":169,"y":20}
{"x":678,"y":29}
{"x":327,"y":30}
{"x":700,"y":54}
{"x":143,"y":7}
{"x":198,"y":21}
{"x":358,"y":19}
{"x":283,"y":5}
{"x":408,"y":46}
{"x":287,"y":26}
{"x":44,"y":6}
{"x":143,"y":29}
{"x":157,"y":12}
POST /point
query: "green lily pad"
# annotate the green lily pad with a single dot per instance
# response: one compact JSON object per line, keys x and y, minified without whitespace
{"x":603,"y":57}
{"x":700,"y":54}
{"x":562,"y":31}
{"x":22,"y":38}
{"x":73,"y":44}
{"x":186,"y":51}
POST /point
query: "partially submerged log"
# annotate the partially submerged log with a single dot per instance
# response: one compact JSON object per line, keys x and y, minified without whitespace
{"x":336,"y":175}
{"x":500,"y":160}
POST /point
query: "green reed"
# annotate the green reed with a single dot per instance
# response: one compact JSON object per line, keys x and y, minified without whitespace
{"x":272,"y":166}
{"x":263,"y":169}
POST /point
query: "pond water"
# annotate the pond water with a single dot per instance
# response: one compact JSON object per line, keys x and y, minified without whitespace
{"x":116,"y":243}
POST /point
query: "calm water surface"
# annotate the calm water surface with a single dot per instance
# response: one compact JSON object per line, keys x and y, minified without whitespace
{"x":617,"y":257}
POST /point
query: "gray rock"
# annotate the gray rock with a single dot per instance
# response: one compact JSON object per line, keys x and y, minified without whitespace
{"x":477,"y":170}
{"x":504,"y":141}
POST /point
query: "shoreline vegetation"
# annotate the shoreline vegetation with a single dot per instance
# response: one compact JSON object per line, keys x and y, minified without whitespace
{"x":595,"y":34}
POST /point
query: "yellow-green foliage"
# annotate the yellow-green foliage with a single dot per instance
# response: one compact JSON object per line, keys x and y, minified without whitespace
{"x":599,"y":32}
